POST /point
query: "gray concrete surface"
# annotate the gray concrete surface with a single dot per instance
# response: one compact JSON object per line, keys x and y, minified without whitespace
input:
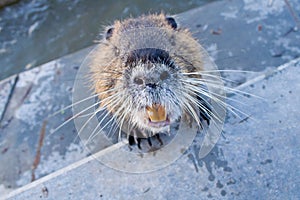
{"x":258,"y":158}
{"x":253,"y":160}
{"x":36,"y":95}
{"x":247,"y":34}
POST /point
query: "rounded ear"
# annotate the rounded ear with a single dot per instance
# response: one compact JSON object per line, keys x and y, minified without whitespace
{"x":109,"y":33}
{"x":171,"y":21}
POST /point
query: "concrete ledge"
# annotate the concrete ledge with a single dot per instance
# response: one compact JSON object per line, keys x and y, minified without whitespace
{"x":239,"y":34}
{"x":28,"y":102}
{"x":257,"y":159}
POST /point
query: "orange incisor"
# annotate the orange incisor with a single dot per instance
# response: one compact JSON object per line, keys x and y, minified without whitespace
{"x":156,"y":113}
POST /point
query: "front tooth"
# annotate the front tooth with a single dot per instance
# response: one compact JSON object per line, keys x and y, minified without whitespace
{"x":156,"y":113}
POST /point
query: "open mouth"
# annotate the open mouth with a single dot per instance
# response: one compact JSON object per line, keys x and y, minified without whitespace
{"x":159,"y":124}
{"x":157,"y":116}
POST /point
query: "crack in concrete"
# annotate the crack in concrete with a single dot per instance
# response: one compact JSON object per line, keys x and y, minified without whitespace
{"x":16,"y":79}
{"x":264,"y":75}
{"x":293,"y":13}
{"x":37,"y":159}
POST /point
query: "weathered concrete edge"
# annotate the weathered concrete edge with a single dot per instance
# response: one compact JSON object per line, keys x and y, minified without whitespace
{"x":64,"y":170}
{"x":235,"y":47}
{"x":120,"y":144}
{"x":266,"y":74}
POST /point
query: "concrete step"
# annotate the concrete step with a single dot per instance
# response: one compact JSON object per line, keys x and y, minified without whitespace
{"x":238,"y":34}
{"x":258,"y":157}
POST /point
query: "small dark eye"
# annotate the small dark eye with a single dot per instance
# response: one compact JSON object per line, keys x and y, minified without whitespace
{"x":164,"y":75}
{"x":138,"y":81}
{"x":109,"y":33}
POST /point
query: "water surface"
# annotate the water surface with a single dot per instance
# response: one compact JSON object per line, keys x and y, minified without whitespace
{"x":33,"y":32}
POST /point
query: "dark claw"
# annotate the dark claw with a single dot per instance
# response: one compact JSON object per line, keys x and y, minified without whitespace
{"x":149,"y":141}
{"x":139,"y":142}
{"x":203,"y":111}
{"x":131,"y":140}
{"x":159,"y":139}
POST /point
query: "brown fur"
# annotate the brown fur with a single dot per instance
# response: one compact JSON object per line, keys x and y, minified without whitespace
{"x":108,"y":65}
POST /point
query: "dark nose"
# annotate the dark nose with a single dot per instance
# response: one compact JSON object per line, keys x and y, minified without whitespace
{"x":151,"y":85}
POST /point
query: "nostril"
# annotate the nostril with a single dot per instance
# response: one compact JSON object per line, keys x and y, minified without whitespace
{"x":164,"y":75}
{"x":152,"y":85}
{"x":138,"y":81}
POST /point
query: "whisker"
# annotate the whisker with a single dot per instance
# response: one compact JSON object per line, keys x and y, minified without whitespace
{"x":222,"y":70}
{"x":120,"y":123}
{"x":93,"y":135}
{"x":209,"y":95}
{"x":73,"y":117}
{"x":212,"y":76}
{"x":199,"y":90}
{"x":228,"y":89}
{"x":78,"y":114}
{"x":190,"y":110}
{"x":98,"y":110}
{"x":80,"y":101}
{"x":195,"y":101}
{"x":221,"y":102}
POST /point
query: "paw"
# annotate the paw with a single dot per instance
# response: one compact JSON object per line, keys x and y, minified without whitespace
{"x":145,"y":143}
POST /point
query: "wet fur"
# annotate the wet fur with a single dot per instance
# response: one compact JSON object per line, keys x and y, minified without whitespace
{"x":127,"y":47}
